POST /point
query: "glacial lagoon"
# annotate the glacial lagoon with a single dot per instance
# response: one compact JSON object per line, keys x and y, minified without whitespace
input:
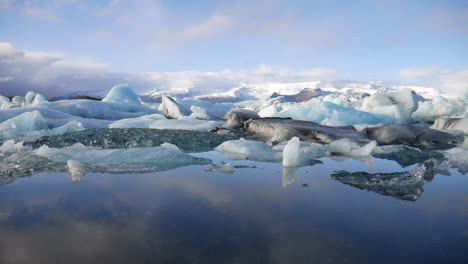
{"x":259,"y":212}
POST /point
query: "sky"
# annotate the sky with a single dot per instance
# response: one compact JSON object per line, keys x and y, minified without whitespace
{"x":59,"y":46}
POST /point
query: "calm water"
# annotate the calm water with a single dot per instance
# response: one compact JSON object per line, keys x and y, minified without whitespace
{"x":255,"y":215}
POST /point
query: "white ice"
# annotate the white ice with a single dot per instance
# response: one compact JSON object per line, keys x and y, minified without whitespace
{"x":158,"y":121}
{"x":121,"y":160}
{"x":250,"y":150}
{"x":122,"y":94}
{"x":439,"y":107}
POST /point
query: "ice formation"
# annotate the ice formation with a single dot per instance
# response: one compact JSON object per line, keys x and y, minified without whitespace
{"x":406,"y":185}
{"x":294,"y":125}
{"x":172,"y":109}
{"x":452,"y":124}
{"x":130,"y":160}
{"x":237,"y":117}
{"x":277,"y":130}
{"x":393,"y":107}
{"x":158,"y":121}
{"x":21,"y":124}
{"x":122,"y":94}
{"x":250,"y":150}
{"x":325,"y":113}
{"x":224,"y":168}
{"x":10,"y":146}
{"x":5,"y":103}
{"x":186,"y":140}
{"x":414,"y":136}
{"x":292,"y":156}
{"x":439,"y":107}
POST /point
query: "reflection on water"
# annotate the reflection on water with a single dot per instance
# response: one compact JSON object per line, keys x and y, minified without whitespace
{"x":258,"y":214}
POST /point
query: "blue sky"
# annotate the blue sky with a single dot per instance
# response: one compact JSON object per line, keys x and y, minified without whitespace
{"x":371,"y":39}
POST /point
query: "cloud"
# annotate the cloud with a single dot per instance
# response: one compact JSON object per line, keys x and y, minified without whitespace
{"x":453,"y":83}
{"x":6,"y":79}
{"x":420,"y":72}
{"x":54,"y":74}
{"x":442,"y":19}
{"x":214,"y":25}
{"x":5,"y":4}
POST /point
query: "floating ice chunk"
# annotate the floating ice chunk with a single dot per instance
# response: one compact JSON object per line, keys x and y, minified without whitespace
{"x":167,"y":156}
{"x":99,"y":110}
{"x":199,"y":112}
{"x":18,"y":101}
{"x":406,"y":185}
{"x":269,"y":111}
{"x":292,"y":153}
{"x":224,"y":168}
{"x":76,"y":170}
{"x":414,"y":136}
{"x":206,"y":110}
{"x":249,"y":149}
{"x":21,"y":124}
{"x":237,"y":117}
{"x":393,"y":107}
{"x":172,"y":109}
{"x":405,"y":155}
{"x":38,"y":99}
{"x":277,"y":130}
{"x":145,"y":121}
{"x":452,"y":124}
{"x":457,"y":158}
{"x":122,"y":94}
{"x":10,"y":146}
{"x":29,"y":97}
{"x":327,"y":113}
{"x":160,"y":122}
{"x":439,"y":107}
{"x":5,"y":103}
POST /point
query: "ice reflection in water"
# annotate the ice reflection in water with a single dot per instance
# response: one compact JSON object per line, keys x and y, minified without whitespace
{"x":188,"y":215}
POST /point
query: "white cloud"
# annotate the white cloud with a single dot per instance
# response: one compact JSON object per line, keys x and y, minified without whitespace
{"x":5,"y":4}
{"x":420,"y":72}
{"x":212,"y":26}
{"x":452,"y":83}
{"x":54,"y":74}
{"x":6,"y":79}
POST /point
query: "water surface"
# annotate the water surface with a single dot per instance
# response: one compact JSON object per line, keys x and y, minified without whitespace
{"x":255,"y":215}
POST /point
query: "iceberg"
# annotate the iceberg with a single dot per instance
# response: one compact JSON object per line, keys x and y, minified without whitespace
{"x":172,"y":109}
{"x":407,"y":185}
{"x":224,"y":168}
{"x":277,"y":130}
{"x":420,"y":137}
{"x":405,"y":155}
{"x":22,"y":124}
{"x":131,"y":160}
{"x":325,"y":113}
{"x":122,"y":94}
{"x":451,"y":124}
{"x":10,"y":146}
{"x":249,"y":150}
{"x":237,"y":117}
{"x":79,"y":159}
{"x":439,"y":107}
{"x":393,"y":107}
{"x":5,"y":103}
{"x":158,"y":121}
